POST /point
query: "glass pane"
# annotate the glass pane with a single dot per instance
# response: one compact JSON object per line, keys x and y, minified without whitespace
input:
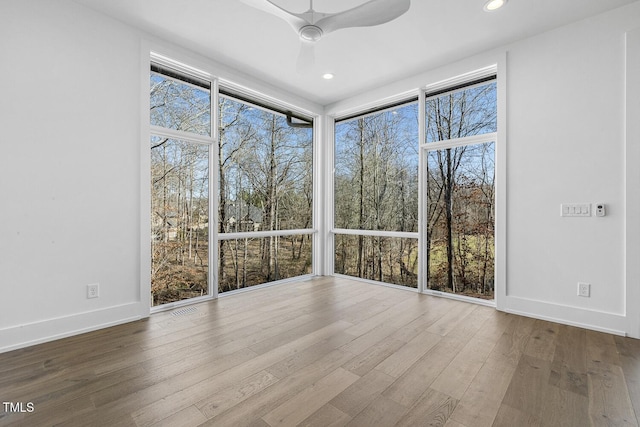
{"x":266,"y":171}
{"x":376,"y":171}
{"x":254,"y":261}
{"x":384,"y":259}
{"x":461,"y":214}
{"x":467,"y":112}
{"x":180,"y":105}
{"x":179,"y":220}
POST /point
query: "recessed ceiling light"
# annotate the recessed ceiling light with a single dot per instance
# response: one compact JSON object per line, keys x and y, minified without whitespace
{"x":327,"y":76}
{"x":492,"y":5}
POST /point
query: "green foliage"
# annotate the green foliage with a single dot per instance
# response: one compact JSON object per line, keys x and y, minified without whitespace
{"x":477,"y":280}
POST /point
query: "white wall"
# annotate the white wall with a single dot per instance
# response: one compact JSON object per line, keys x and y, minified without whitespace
{"x":69,"y":114}
{"x":632,"y":158}
{"x":565,"y":142}
{"x":71,"y":88}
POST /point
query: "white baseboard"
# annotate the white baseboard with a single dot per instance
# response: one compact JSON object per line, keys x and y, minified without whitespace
{"x":20,"y":336}
{"x":611,"y":323}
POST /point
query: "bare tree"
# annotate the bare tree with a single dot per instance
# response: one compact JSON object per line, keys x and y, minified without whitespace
{"x":179,"y":180}
{"x":451,"y":116}
{"x":234,"y":133}
{"x":376,"y":181}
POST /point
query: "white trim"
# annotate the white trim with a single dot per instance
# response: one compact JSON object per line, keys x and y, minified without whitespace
{"x":377,"y":233}
{"x":461,"y":79}
{"x":376,"y":282}
{"x":182,"y":135}
{"x":363,"y":108}
{"x":460,"y":297}
{"x":632,"y":183}
{"x":179,"y":66}
{"x":611,"y":323}
{"x":390,"y":105}
{"x":180,"y":303}
{"x":459,"y":142}
{"x":212,"y":278}
{"x":329,"y":205}
{"x":25,"y":335}
{"x":423,"y":179}
{"x":302,"y":278}
{"x":562,"y":321}
{"x":262,"y":234}
{"x":501,"y":165}
{"x":145,"y":181}
{"x":319,"y":191}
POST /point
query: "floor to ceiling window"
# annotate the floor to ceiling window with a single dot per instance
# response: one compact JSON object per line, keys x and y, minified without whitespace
{"x":459,"y":242}
{"x":419,"y":210}
{"x":265,"y":209}
{"x":180,"y":144}
{"x":231,"y":205}
{"x":376,"y":195}
{"x":232,"y":190}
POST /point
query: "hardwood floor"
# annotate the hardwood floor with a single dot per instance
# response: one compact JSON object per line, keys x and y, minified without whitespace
{"x":328,"y":352}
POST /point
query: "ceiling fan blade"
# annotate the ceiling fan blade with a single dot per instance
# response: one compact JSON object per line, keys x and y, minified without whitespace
{"x":292,"y":19}
{"x":306,"y":57}
{"x":374,"y":12}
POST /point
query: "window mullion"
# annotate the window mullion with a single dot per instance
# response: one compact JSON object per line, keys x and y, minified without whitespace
{"x":422,"y":187}
{"x":460,"y":142}
{"x":214,"y":201}
{"x":181,"y":135}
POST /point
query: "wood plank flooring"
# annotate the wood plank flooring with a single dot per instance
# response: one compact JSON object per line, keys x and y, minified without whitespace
{"x":328,"y":352}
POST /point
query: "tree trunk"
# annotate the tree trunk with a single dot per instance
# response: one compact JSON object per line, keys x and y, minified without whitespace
{"x":448,"y":202}
{"x":361,"y":197}
{"x":222,"y":210}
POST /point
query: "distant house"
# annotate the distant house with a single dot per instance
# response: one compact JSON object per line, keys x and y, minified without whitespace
{"x":241,"y":216}
{"x":160,"y":225}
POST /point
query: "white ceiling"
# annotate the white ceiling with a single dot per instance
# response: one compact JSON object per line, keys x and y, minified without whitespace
{"x":432,"y":33}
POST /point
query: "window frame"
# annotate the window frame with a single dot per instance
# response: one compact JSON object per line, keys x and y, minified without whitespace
{"x":333,"y":230}
{"x":496,"y":71}
{"x":191,"y":138}
{"x":466,"y":81}
{"x":228,"y":90}
{"x":272,"y":104}
{"x":323,"y":251}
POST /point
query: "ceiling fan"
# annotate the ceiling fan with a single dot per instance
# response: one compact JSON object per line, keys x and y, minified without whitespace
{"x":312,"y":25}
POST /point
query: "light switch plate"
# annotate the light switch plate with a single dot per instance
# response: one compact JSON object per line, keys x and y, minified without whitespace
{"x":575,"y":209}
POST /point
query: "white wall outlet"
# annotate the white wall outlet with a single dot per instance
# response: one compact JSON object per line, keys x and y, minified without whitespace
{"x":93,"y":290}
{"x":584,"y":289}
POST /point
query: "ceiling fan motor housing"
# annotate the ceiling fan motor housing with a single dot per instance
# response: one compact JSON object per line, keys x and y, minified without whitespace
{"x":310,"y":33}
